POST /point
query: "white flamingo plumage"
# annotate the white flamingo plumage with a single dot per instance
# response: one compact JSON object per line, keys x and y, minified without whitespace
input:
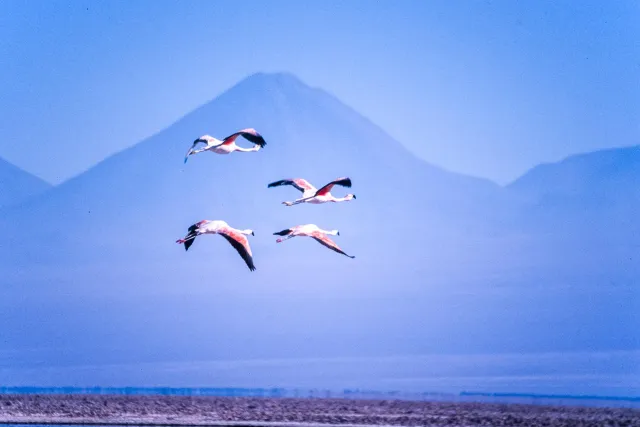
{"x":313,"y":231}
{"x":313,"y":196}
{"x":235,"y":237}
{"x":228,"y":144}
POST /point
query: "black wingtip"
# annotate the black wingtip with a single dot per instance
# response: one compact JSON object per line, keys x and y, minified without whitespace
{"x":351,"y":256}
{"x":257,"y":139}
{"x":283,"y":232}
{"x":276,"y":183}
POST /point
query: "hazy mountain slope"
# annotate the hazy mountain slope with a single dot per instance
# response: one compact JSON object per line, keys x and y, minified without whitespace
{"x":607,"y":176}
{"x":598,"y":192}
{"x":17,"y":185}
{"x":95,"y":276}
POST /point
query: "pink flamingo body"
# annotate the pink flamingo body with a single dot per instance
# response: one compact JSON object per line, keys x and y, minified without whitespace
{"x":237,"y":238}
{"x":228,"y":144}
{"x":313,"y":231}
{"x":313,"y":196}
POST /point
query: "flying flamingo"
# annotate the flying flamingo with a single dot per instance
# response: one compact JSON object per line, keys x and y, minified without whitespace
{"x":311,"y":195}
{"x":227,"y":145}
{"x":312,"y":230}
{"x":233,"y":236}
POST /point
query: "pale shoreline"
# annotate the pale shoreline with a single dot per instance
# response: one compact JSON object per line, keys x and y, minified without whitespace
{"x":174,"y":423}
{"x":166,"y":411}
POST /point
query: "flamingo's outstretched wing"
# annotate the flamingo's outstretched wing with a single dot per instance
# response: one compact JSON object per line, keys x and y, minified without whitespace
{"x":250,"y":134}
{"x":241,"y":244}
{"x":193,"y":146}
{"x":325,"y":241}
{"x":189,"y":238}
{"x":299,"y":183}
{"x":345,"y":182}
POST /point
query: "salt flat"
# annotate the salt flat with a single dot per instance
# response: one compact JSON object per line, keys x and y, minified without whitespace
{"x":254,"y":411}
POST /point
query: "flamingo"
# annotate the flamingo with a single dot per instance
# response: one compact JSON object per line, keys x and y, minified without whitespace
{"x":312,"y":230}
{"x":311,"y":195}
{"x":235,"y":237}
{"x":227,"y":145}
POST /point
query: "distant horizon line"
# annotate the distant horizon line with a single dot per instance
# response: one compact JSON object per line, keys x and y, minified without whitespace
{"x":248,"y":391}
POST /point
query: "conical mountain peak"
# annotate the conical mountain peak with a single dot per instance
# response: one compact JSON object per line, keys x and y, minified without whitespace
{"x":259,"y":86}
{"x":279,"y":79}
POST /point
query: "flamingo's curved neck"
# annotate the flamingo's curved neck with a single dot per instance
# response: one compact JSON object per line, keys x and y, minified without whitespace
{"x":341,"y":199}
{"x":332,"y":232}
{"x":247,"y":150}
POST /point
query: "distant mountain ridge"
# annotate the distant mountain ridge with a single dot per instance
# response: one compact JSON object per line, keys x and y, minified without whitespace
{"x":16,"y":185}
{"x":599,"y":172}
{"x":597,"y":191}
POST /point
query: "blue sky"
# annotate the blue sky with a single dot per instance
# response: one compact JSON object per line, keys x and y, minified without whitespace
{"x":481,"y":87}
{"x":488,"y":88}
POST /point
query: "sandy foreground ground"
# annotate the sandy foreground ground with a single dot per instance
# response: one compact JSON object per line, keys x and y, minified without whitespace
{"x":249,"y":411}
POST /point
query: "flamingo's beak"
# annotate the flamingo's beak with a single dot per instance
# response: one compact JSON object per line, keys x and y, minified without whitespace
{"x":354,"y":196}
{"x":253,"y":234}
